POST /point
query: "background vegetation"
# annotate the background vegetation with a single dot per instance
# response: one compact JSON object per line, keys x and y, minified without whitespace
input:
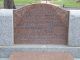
{"x":1,"y":2}
{"x":24,"y":2}
{"x":65,"y":3}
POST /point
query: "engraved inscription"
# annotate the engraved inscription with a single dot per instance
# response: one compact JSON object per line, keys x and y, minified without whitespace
{"x":40,"y":24}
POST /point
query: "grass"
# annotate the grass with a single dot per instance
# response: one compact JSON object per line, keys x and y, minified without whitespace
{"x":25,"y":2}
{"x":1,"y":2}
{"x":66,"y":3}
{"x":21,"y":2}
{"x":72,"y":4}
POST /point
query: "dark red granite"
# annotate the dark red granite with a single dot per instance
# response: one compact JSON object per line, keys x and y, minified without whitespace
{"x":41,"y":24}
{"x":41,"y":56}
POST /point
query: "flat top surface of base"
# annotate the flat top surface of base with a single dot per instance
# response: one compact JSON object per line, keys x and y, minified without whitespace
{"x":41,"y":56}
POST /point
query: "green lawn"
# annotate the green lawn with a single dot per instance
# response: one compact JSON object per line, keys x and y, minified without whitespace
{"x":24,"y":2}
{"x":66,"y":3}
{"x":1,"y":2}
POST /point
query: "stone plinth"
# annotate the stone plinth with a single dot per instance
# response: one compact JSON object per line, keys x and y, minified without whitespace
{"x":6,"y":51}
{"x":41,"y":56}
{"x":6,"y":27}
{"x":74,"y":28}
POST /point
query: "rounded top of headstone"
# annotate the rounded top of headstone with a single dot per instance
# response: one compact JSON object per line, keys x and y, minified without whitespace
{"x":6,"y":12}
{"x":32,"y":6}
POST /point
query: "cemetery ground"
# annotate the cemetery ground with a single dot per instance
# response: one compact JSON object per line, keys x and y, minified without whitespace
{"x":65,"y":3}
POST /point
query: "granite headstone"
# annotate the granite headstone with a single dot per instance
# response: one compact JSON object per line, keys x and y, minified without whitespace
{"x":40,"y":24}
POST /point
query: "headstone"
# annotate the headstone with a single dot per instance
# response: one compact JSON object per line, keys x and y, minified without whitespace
{"x":6,"y":27}
{"x":40,"y":24}
{"x":74,"y":28}
{"x":41,"y":56}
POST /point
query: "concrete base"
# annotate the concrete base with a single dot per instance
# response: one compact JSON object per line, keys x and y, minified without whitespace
{"x":74,"y":28}
{"x":6,"y":51}
{"x":6,"y":27}
{"x":9,"y":59}
{"x":6,"y":38}
{"x":4,"y":58}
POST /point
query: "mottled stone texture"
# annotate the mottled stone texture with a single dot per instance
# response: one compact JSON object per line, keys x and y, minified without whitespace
{"x":6,"y":27}
{"x":40,"y":24}
{"x":41,"y":56}
{"x":74,"y":28}
{"x":6,"y":51}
